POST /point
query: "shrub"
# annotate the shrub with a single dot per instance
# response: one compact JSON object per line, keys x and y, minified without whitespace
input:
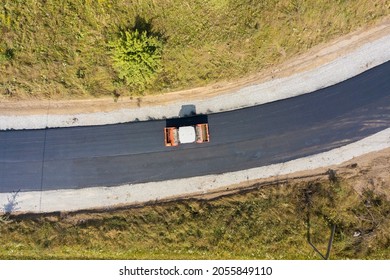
{"x":137,"y":58}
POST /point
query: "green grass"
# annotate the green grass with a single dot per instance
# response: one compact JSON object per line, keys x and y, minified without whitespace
{"x":266,"y":223}
{"x":59,"y":49}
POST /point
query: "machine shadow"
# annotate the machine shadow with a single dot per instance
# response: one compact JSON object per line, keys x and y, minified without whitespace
{"x":187,"y":117}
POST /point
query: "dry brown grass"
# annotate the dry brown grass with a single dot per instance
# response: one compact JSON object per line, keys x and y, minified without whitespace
{"x":59,"y":49}
{"x":267,"y":222}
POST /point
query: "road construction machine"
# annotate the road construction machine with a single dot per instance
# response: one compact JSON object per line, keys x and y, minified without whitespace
{"x":198,"y":133}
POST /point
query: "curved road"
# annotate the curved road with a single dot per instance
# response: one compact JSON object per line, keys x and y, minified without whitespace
{"x":251,"y":137}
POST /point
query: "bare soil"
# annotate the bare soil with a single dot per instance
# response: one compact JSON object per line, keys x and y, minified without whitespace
{"x":317,"y":56}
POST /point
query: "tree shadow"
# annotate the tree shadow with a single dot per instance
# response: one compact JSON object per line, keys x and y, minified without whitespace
{"x":308,"y":202}
{"x":12,"y":204}
{"x":142,"y":25}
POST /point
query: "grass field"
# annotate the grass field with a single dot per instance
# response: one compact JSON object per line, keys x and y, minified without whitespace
{"x":59,"y":49}
{"x":270,"y":222}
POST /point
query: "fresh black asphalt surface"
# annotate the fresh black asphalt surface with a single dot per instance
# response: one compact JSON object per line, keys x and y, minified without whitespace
{"x":66,"y":158}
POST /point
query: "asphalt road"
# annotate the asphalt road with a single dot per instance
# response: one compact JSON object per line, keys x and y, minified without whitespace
{"x":134,"y":152}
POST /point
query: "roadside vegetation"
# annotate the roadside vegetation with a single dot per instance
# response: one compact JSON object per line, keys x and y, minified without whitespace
{"x":72,"y":49}
{"x":267,"y":222}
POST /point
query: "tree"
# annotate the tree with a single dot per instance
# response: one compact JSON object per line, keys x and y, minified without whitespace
{"x":137,"y":58}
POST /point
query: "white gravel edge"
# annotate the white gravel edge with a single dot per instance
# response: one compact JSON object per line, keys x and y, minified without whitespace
{"x":365,"y":57}
{"x":107,"y":197}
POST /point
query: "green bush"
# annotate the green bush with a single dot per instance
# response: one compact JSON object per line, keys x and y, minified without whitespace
{"x":137,"y":58}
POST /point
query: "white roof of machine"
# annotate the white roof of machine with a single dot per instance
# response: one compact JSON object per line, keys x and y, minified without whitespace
{"x":187,"y":134}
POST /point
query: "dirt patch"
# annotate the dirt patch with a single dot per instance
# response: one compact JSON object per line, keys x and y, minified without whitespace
{"x":317,"y":56}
